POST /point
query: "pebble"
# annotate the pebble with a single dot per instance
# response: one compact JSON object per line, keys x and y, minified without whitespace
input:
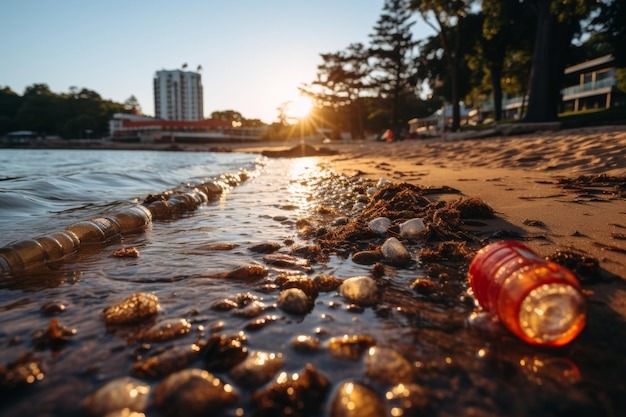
{"x":395,"y":253}
{"x":171,"y":360}
{"x":267,"y":247}
{"x":257,"y":369}
{"x":367,"y":257}
{"x":165,"y":330}
{"x":408,"y":400}
{"x":352,"y":399}
{"x":193,"y":392}
{"x":294,"y":301}
{"x":360,"y":290}
{"x":117,"y":395}
{"x":387,"y":367}
{"x":133,"y":309}
{"x":412,"y":229}
{"x":379,"y":225}
{"x":326,"y":283}
{"x":224,"y":352}
{"x":306,"y":343}
{"x":293,"y":394}
{"x":350,"y":347}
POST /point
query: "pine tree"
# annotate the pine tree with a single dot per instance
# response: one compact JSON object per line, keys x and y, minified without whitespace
{"x":391,"y":49}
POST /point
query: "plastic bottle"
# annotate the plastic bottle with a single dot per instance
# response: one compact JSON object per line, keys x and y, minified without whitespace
{"x":539,"y":301}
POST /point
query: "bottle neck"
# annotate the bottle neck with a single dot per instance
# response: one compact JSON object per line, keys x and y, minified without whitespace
{"x":552,"y":314}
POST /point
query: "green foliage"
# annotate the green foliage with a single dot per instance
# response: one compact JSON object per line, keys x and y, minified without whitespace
{"x":77,"y":114}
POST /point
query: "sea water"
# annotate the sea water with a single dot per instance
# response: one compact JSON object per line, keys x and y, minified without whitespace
{"x":44,"y":190}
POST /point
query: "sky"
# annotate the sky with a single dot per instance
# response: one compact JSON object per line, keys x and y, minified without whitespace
{"x":254,"y":53}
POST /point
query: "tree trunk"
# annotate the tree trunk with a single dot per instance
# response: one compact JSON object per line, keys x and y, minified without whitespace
{"x":551,"y":45}
{"x":496,"y":82}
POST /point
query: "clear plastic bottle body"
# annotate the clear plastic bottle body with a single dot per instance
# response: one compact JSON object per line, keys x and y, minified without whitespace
{"x":539,"y":301}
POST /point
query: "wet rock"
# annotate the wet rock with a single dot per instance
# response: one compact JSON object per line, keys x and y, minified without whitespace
{"x":54,"y":337}
{"x":133,"y":309}
{"x":350,"y":347}
{"x":301,"y":282}
{"x":379,"y":225}
{"x":353,"y":399}
{"x":24,"y":371}
{"x":267,"y":247}
{"x":130,"y":252}
{"x":193,"y":392}
{"x":117,"y":395}
{"x":250,"y":310}
{"x":287,"y":261}
{"x":306,"y":343}
{"x":360,"y":290}
{"x":224,"y":304}
{"x":260,"y":322}
{"x":408,"y":400}
{"x":423,"y":286}
{"x":294,"y":301}
{"x":387,"y":367}
{"x":224,"y":352}
{"x":165,"y":330}
{"x":367,"y":257}
{"x":52,"y":308}
{"x":295,"y":395}
{"x":247,"y":273}
{"x":257,"y":369}
{"x":164,"y":363}
{"x":220,"y":246}
{"x":326,"y":283}
{"x":395,"y":253}
{"x":412,"y":229}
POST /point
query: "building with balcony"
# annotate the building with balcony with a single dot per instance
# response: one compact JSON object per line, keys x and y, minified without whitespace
{"x":178,"y":95}
{"x":591,"y":85}
{"x":588,"y":85}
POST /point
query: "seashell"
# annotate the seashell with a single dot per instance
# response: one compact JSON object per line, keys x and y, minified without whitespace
{"x":133,"y":309}
{"x":165,"y":330}
{"x":350,"y":347}
{"x":382,"y":181}
{"x":193,"y":392}
{"x":412,"y":229}
{"x":300,"y":393}
{"x":379,"y":225}
{"x":360,"y":290}
{"x":395,"y":253}
{"x":371,"y":191}
{"x":171,"y":360}
{"x":257,"y":369}
{"x":387,"y":367}
{"x":353,"y":399}
{"x":117,"y":395}
{"x":294,"y":301}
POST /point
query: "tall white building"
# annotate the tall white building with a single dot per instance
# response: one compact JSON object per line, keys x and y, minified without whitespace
{"x":178,"y":95}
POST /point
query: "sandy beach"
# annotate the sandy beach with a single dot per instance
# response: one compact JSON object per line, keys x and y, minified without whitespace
{"x":557,"y":191}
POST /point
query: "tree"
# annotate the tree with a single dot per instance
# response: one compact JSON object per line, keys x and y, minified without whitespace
{"x":446,"y":18}
{"x":392,"y":46}
{"x":557,"y":23}
{"x":132,"y":105}
{"x":340,"y":84}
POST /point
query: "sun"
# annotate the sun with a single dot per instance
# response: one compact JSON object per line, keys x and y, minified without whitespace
{"x":299,"y":108}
